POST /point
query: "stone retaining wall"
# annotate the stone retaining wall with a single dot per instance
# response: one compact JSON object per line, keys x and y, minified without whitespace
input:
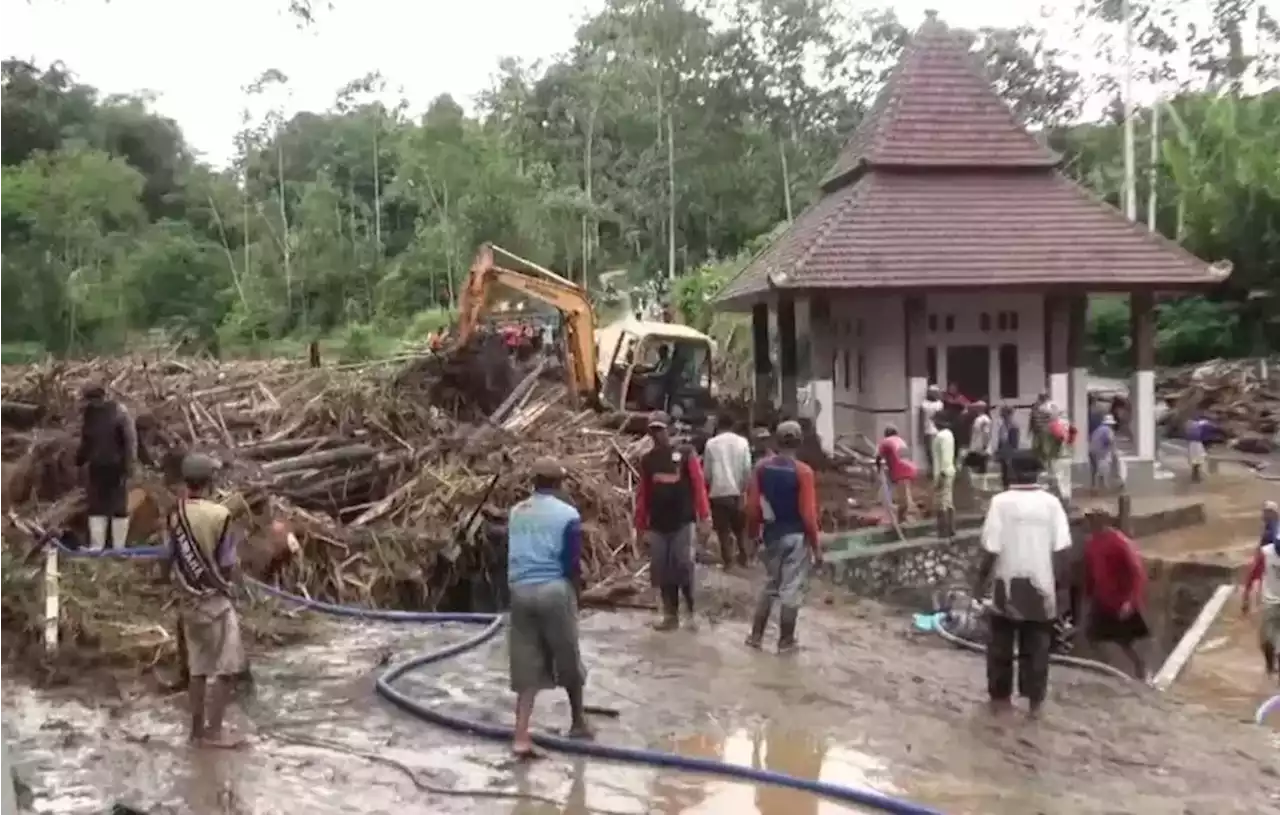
{"x":900,"y":571}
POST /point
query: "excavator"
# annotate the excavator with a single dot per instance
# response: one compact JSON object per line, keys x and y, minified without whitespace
{"x":628,"y":365}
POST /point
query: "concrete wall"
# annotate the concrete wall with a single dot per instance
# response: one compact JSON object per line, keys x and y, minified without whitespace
{"x":868,"y":354}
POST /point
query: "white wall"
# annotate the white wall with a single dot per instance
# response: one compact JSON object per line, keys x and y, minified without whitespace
{"x":867,"y":333}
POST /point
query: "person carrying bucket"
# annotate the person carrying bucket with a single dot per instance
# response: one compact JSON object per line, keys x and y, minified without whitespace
{"x":892,"y":461}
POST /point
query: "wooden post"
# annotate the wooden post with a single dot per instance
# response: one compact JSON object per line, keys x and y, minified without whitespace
{"x":51,"y":599}
{"x":1124,"y":513}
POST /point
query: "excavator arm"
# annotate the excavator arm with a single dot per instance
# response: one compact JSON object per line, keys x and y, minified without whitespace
{"x":542,"y":285}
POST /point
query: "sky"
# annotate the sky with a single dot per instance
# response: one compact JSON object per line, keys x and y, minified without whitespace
{"x":197,"y":56}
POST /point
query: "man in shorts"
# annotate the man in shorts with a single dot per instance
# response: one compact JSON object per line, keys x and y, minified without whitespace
{"x":544,"y":548}
{"x":202,"y":564}
{"x":1115,"y":580}
{"x":1265,"y":570}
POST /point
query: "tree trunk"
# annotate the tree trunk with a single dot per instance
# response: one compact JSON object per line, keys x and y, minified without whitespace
{"x":786,"y":177}
{"x":671,"y":198}
{"x":284,"y":224}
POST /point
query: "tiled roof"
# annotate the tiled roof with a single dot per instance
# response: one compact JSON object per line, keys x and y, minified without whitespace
{"x":938,"y":109}
{"x":966,"y":229}
{"x":940,"y":187}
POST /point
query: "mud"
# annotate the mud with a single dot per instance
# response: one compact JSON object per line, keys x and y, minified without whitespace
{"x":863,"y":703}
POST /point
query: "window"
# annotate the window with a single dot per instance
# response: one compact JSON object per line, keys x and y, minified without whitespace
{"x":984,"y":322}
{"x":1013,"y":321}
{"x":845,"y":354}
{"x":933,"y":322}
{"x":1009,"y":386}
{"x":1002,"y":321}
{"x":862,"y":372}
{"x":931,"y":363}
{"x":951,"y":323}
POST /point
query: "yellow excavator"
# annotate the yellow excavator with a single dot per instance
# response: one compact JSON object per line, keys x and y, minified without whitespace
{"x":628,"y":365}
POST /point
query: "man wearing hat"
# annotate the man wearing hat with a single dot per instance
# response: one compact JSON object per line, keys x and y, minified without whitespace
{"x":1104,"y":462}
{"x":1265,"y":573}
{"x":544,"y":548}
{"x":782,"y":509}
{"x":108,"y":450}
{"x":671,"y":507}
{"x":1115,"y":580}
{"x":202,"y":564}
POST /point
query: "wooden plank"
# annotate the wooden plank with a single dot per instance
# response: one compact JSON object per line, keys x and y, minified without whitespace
{"x":1186,"y":647}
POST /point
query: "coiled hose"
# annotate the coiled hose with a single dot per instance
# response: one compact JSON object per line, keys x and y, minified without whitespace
{"x":492,"y":625}
{"x":1266,"y":709}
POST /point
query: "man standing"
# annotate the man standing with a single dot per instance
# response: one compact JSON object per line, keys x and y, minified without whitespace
{"x":1197,"y":432}
{"x":672,"y":508}
{"x":1008,"y":440}
{"x":944,"y":476}
{"x":1042,"y":412}
{"x":930,"y":409}
{"x":980,"y":439}
{"x":1265,"y":570}
{"x":782,"y":508}
{"x":108,"y":450}
{"x":728,"y":464}
{"x":1024,"y":533}
{"x":898,"y":469}
{"x":1115,"y":582}
{"x":1104,"y":463}
{"x":202,"y":563}
{"x":544,"y":548}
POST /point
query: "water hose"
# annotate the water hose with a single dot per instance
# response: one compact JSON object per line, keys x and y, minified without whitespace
{"x":1266,"y":709}
{"x":493,"y":624}
{"x":1092,"y":665}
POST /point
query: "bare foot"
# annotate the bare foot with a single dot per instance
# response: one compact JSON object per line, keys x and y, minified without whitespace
{"x":667,"y":624}
{"x":753,"y":642}
{"x":1034,"y":712}
{"x":525,"y":751}
{"x":582,"y":732}
{"x":222,"y":741}
{"x":1000,"y":707}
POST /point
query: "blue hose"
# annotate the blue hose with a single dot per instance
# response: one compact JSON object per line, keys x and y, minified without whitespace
{"x":1267,"y":708}
{"x":493,"y":624}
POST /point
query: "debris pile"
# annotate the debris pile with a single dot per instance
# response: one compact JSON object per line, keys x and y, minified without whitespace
{"x":1232,"y":394}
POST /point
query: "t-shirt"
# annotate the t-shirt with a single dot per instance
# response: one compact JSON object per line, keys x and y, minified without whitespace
{"x":944,"y":452}
{"x":980,"y":435}
{"x":1024,"y":527}
{"x":928,"y":410}
{"x":727,"y":460}
{"x":1113,"y":572}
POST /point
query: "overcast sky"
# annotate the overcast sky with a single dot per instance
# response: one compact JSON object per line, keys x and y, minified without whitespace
{"x":197,"y":55}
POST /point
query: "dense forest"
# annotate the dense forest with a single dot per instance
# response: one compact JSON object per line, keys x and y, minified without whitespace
{"x":669,"y":141}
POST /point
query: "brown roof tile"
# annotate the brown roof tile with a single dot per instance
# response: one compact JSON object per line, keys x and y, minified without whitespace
{"x":938,"y":109}
{"x":966,"y":229}
{"x":941,"y":187}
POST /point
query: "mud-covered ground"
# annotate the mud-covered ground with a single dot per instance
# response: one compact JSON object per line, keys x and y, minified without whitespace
{"x":864,"y":703}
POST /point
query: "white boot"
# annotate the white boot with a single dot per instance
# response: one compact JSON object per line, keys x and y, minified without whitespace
{"x":119,"y":533}
{"x":97,"y":532}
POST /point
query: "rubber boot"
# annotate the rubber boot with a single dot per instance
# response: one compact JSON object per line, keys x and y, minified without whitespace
{"x":759,"y":623}
{"x":942,"y":530}
{"x":787,"y":630}
{"x":951,"y":523}
{"x":670,"y":610}
{"x":97,"y":532}
{"x":119,"y":532}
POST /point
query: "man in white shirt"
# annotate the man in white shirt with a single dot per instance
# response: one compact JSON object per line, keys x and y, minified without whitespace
{"x":929,"y":410}
{"x":727,"y":461}
{"x":944,"y":476}
{"x":1026,"y":539}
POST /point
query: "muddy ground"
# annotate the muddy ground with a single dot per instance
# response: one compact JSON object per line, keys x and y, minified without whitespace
{"x":865,"y":702}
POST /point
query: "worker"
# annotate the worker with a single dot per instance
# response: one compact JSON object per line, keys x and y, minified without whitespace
{"x":899,"y":471}
{"x":1042,"y":412}
{"x":1025,"y":541}
{"x":727,"y":460}
{"x":108,"y":451}
{"x":1198,"y":431}
{"x":944,"y":476}
{"x":978,"y":450}
{"x":1115,"y":581}
{"x":672,"y":510}
{"x":544,"y":550}
{"x":202,"y":564}
{"x":1008,"y":439}
{"x":1265,"y":570}
{"x":930,"y":409}
{"x":1104,"y":460}
{"x":782,"y":511}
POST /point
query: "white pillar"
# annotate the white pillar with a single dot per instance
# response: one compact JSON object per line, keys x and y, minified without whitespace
{"x":916,"y":387}
{"x":1080,"y":411}
{"x":815,"y":369}
{"x":1143,"y":399}
{"x":1060,"y":392}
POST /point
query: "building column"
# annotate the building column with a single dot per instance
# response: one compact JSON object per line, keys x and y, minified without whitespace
{"x":1057,"y":321}
{"x":760,"y":353}
{"x":914,"y":342}
{"x":788,"y":360}
{"x":1142,"y":391}
{"x":1079,"y":375}
{"x":816,"y":367}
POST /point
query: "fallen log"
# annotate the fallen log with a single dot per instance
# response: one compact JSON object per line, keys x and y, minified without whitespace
{"x":352,"y":454}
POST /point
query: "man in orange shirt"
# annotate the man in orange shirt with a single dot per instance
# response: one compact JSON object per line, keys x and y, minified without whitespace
{"x":782,"y":508}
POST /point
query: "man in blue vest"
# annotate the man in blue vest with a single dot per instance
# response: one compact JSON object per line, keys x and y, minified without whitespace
{"x":544,"y":547}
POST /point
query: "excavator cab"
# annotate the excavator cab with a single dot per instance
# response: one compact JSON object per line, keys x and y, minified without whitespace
{"x":656,"y":366}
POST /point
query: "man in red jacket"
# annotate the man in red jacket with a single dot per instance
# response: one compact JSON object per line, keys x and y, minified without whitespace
{"x":1115,"y":580}
{"x":671,"y":508}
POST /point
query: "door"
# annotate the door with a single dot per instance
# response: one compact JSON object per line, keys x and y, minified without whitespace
{"x":969,"y":368}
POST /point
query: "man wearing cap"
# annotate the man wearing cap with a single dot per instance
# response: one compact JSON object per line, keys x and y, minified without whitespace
{"x":671,"y":506}
{"x":202,"y":564}
{"x":1025,"y":542}
{"x":1104,"y":463}
{"x":1115,"y":582}
{"x":782,"y":509}
{"x":108,"y":450}
{"x":1265,"y":570}
{"x":728,"y":464}
{"x":544,"y":549}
